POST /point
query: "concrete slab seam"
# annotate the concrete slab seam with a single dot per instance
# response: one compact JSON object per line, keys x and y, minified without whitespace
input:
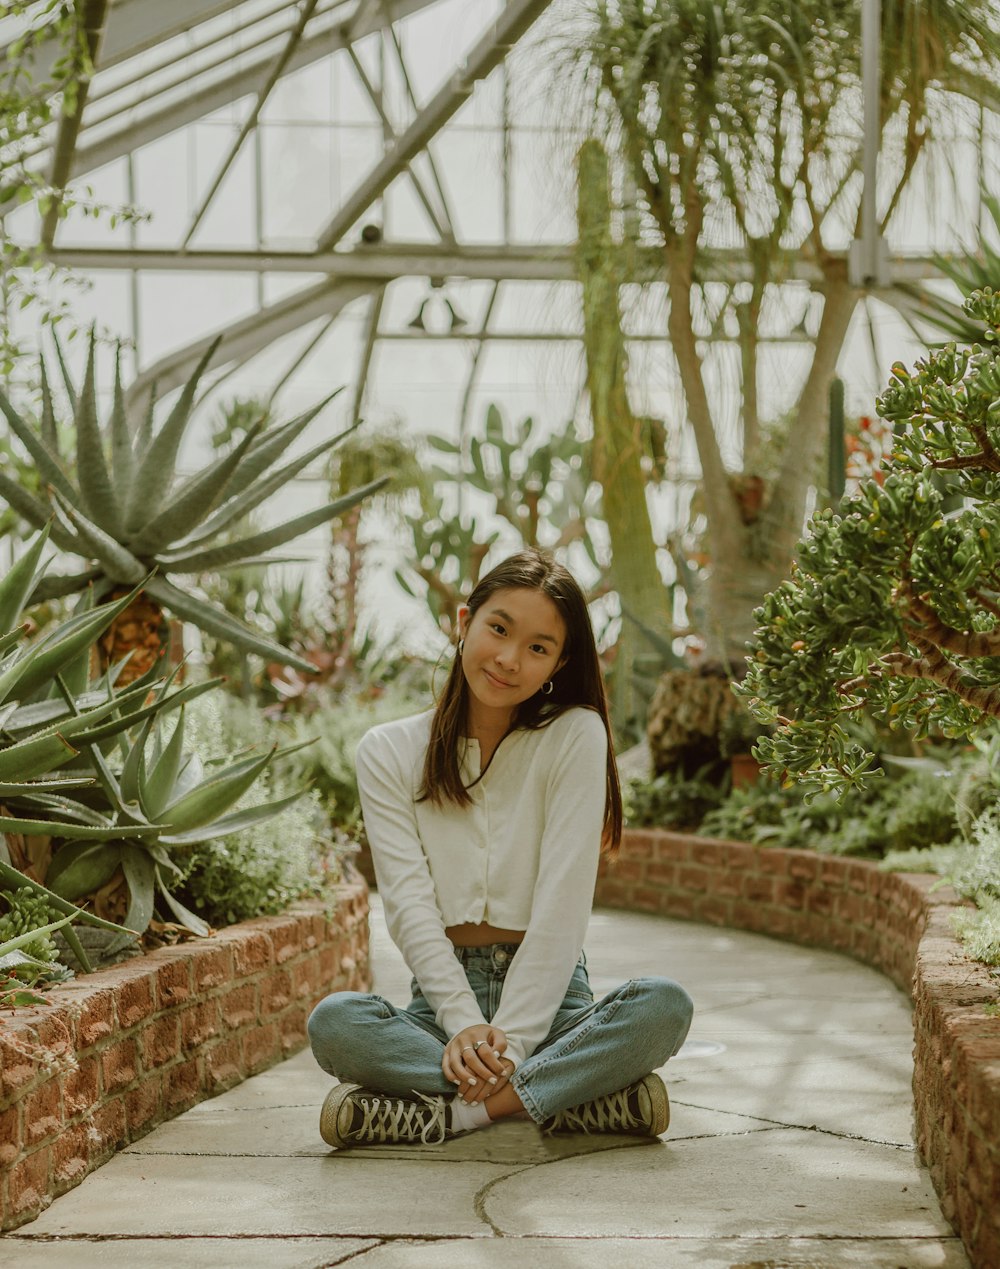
{"x":906,"y":1147}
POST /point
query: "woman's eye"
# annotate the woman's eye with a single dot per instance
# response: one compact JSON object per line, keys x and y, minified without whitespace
{"x":537,"y":647}
{"x":497,"y":627}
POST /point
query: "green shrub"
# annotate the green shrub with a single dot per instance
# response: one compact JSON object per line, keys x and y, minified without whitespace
{"x":671,"y":801}
{"x":924,"y":813}
{"x":979,"y":930}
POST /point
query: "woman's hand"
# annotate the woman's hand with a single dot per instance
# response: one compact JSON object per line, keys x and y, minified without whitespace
{"x":474,"y":1061}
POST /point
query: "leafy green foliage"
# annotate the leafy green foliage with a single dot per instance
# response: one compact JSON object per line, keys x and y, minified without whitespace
{"x":671,"y":800}
{"x":28,"y":913}
{"x":894,"y":604}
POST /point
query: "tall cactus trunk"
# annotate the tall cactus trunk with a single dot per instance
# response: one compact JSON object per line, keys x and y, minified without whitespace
{"x":617,"y":431}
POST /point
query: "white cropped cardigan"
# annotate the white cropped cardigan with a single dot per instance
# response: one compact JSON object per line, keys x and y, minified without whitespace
{"x":523,"y":856}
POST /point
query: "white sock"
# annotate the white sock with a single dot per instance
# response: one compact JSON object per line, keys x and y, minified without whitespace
{"x":465,"y":1118}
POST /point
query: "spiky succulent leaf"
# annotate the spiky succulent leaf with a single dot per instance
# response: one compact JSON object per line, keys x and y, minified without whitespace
{"x":234,"y":823}
{"x":272,"y":445}
{"x":16,"y":789}
{"x":158,"y":462}
{"x":12,"y":878}
{"x":50,"y":433}
{"x":42,"y":661}
{"x":162,"y":776}
{"x":17,"y":585}
{"x":187,"y":918}
{"x":81,"y":867}
{"x":60,"y":584}
{"x":217,"y":622}
{"x":117,"y":561}
{"x":122,"y":458}
{"x":209,"y":799}
{"x":251,"y":498}
{"x":49,"y":467}
{"x":140,"y":875}
{"x":67,"y":378}
{"x":199,"y":496}
{"x":100,"y":833}
{"x":97,"y":490}
{"x":257,"y":543}
{"x":37,"y":513}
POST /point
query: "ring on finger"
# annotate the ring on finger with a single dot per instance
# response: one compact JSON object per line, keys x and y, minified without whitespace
{"x":469,"y":1048}
{"x":478,"y":1045}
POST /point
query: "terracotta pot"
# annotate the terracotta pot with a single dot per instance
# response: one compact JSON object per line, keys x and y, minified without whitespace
{"x":744,"y":770}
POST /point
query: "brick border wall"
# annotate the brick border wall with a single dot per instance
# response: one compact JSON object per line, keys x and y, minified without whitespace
{"x":891,"y":921}
{"x":117,"y":1052}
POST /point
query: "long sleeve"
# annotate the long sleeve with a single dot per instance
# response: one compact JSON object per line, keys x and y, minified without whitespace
{"x":564,"y":888}
{"x":414,"y":918}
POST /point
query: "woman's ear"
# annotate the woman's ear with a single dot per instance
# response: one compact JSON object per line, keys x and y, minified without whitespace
{"x":463,"y":621}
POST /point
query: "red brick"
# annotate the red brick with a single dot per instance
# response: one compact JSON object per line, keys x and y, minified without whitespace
{"x":304,"y":981}
{"x":18,"y":1062}
{"x":199,"y":1023}
{"x":43,"y":1112}
{"x":133,"y":1002}
{"x":694,"y":877}
{"x":238,"y":1006}
{"x":181,"y":1086}
{"x":97,"y":1018}
{"x":613,"y":893}
{"x":10,"y":1134}
{"x":160,"y":1041}
{"x":224,"y":1064}
{"x":29,"y":1182}
{"x":286,"y":939}
{"x":803,"y":867}
{"x":106,"y":1128}
{"x":646,"y":899}
{"x":714,"y":910}
{"x":143,"y":1106}
{"x":672,"y":846}
{"x":118,"y":1065}
{"x":790,"y":894}
{"x":773,"y":862}
{"x":276,"y":991}
{"x":758,"y":889}
{"x":293,"y":1030}
{"x":638,"y":845}
{"x":173,"y":981}
{"x":252,"y":952}
{"x":70,"y":1156}
{"x":661,"y":874}
{"x":627,"y":869}
{"x":261,"y":1048}
{"x":728,"y":884}
{"x":80,"y":1087}
{"x":212,"y":967}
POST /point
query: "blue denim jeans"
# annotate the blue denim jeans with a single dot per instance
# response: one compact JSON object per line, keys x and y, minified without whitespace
{"x":592,"y":1048}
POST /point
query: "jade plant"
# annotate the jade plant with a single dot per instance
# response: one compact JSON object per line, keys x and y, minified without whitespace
{"x":119,"y":503}
{"x":894,"y":604}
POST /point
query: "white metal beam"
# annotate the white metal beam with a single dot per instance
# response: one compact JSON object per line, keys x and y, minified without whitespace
{"x":240,"y":340}
{"x":517,"y":16}
{"x":556,"y":263}
{"x":138,"y":127}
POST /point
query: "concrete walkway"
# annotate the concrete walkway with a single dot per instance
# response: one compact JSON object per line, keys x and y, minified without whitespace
{"x":790,"y":1145}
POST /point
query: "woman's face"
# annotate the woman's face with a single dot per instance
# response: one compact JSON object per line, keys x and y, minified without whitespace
{"x":513,"y":645}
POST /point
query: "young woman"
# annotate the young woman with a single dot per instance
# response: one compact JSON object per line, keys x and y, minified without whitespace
{"x":486,"y":817}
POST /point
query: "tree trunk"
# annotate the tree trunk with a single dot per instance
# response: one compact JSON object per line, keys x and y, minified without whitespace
{"x":617,"y":432}
{"x":143,"y":630}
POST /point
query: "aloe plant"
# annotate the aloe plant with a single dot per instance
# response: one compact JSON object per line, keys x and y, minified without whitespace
{"x":118,"y":501}
{"x":86,"y":764}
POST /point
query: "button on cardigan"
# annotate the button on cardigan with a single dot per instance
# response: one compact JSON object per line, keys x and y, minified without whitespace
{"x":523,"y":856}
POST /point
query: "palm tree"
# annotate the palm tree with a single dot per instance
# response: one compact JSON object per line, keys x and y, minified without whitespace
{"x":737,"y":121}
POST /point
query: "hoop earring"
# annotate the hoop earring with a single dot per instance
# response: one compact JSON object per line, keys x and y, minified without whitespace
{"x":461,"y":646}
{"x":546,"y":688}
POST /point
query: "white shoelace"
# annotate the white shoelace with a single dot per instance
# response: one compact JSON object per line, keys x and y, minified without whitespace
{"x":393,"y":1119}
{"x":611,"y":1113}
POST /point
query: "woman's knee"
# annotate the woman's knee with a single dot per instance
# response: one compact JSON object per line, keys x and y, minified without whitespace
{"x":335,"y":1016}
{"x":667,"y":1001}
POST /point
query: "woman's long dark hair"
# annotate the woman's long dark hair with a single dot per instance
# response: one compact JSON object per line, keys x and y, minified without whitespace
{"x":578,"y":683}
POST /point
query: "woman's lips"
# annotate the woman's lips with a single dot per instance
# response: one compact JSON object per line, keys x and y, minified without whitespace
{"x":499,"y":682}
